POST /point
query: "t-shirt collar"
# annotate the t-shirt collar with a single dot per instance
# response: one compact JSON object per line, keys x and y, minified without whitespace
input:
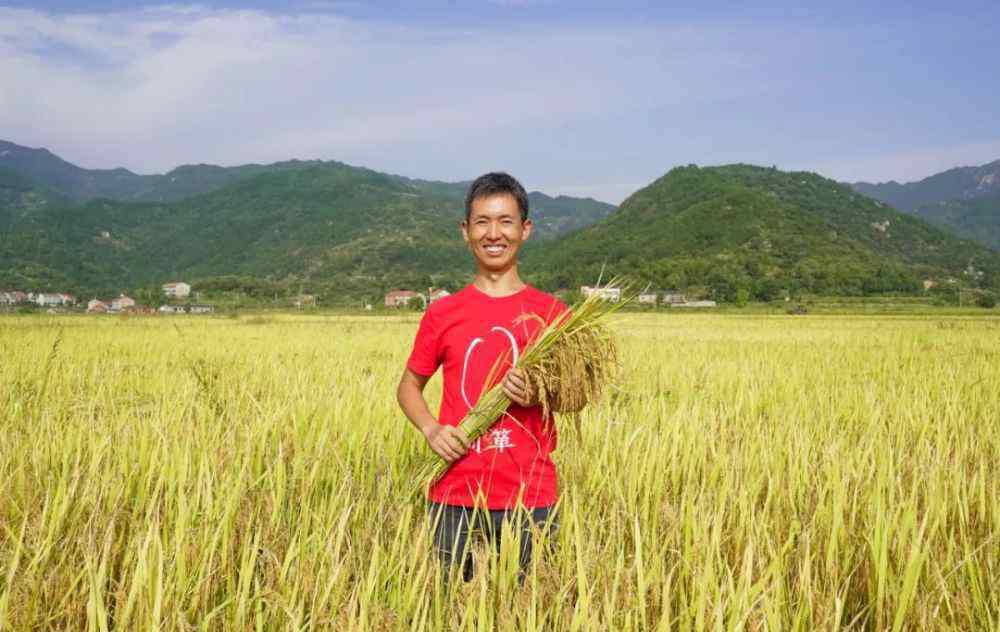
{"x":483,"y":295}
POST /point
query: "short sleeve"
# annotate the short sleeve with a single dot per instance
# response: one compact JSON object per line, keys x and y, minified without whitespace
{"x":425,"y":357}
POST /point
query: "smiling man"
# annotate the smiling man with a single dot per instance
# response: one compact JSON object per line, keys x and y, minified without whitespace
{"x":508,"y":474}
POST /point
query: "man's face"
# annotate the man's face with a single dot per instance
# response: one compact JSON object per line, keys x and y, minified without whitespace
{"x":494,"y":231}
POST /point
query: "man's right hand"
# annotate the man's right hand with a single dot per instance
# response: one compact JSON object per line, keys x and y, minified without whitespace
{"x":448,"y":442}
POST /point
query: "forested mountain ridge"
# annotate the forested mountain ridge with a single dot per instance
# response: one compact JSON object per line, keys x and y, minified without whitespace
{"x":329,"y":222}
{"x":741,"y":230}
{"x":733,"y":233}
{"x":315,"y":223}
{"x":552,"y":215}
{"x":964,"y":200}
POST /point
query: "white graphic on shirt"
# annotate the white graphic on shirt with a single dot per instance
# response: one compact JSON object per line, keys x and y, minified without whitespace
{"x":477,"y":446}
{"x":501,"y":439}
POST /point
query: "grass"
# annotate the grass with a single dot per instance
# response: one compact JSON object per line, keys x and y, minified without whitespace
{"x":753,"y":473}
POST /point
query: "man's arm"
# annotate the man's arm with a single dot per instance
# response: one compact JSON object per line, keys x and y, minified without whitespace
{"x":448,"y":442}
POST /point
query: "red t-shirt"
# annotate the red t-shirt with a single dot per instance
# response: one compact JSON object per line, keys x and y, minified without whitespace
{"x":466,"y":333}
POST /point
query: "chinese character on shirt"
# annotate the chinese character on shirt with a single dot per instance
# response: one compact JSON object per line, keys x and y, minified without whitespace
{"x":501,"y":439}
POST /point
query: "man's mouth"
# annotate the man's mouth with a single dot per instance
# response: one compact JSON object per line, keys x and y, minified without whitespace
{"x":494,"y":249}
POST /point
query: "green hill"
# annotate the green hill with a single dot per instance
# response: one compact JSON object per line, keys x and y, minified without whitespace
{"x":965,"y":200}
{"x":553,"y":216}
{"x":329,"y":223}
{"x":744,"y":231}
{"x":77,"y":184}
{"x":346,"y":230}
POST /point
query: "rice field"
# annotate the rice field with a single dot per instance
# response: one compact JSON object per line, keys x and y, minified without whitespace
{"x":749,"y":473}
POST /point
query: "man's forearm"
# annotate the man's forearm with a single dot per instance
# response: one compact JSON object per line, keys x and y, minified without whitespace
{"x":414,"y":406}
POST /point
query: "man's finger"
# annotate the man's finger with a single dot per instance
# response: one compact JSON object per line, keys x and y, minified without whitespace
{"x":516,"y":378}
{"x":449,"y":452}
{"x":455,"y":444}
{"x":515,"y":396}
{"x":509,"y":392}
{"x":456,"y":448}
{"x":459,"y":434}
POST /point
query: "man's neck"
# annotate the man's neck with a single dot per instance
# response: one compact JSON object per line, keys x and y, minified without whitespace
{"x":499,"y":284}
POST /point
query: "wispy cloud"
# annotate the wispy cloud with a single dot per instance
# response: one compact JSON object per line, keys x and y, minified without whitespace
{"x":571,"y":107}
{"x":156,"y":87}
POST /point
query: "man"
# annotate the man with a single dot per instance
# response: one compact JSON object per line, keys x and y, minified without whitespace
{"x":508,"y":474}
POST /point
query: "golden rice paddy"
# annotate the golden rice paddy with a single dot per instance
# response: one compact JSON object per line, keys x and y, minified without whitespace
{"x":749,"y":473}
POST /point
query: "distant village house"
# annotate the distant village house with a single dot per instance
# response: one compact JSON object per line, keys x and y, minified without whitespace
{"x":613,"y":294}
{"x":122,"y":303}
{"x":176,"y":289}
{"x":95,"y":306}
{"x":648,"y":298}
{"x":13,"y":297}
{"x":666,"y":297}
{"x":201,"y":309}
{"x":52,"y":300}
{"x":400,"y":298}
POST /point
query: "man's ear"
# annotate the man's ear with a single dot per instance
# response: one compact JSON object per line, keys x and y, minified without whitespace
{"x":464,"y":226}
{"x":527,"y":226}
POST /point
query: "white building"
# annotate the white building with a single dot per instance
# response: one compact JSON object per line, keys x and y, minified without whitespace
{"x":122,"y":302}
{"x":95,"y":306}
{"x":49,"y":300}
{"x":613,"y":294}
{"x":13,"y":297}
{"x":177,"y":289}
{"x":648,"y":298}
{"x":201,"y":309}
{"x":171,"y":309}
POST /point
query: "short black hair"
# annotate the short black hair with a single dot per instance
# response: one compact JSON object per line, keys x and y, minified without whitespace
{"x":496,"y":183}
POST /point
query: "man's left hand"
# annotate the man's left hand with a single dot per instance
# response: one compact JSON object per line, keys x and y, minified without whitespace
{"x":515,"y":386}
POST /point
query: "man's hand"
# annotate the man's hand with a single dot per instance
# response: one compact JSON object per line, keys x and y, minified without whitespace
{"x":448,"y":442}
{"x":515,"y":386}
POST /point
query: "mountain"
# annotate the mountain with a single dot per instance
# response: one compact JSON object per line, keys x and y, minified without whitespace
{"x":20,"y":196}
{"x":344,"y":232}
{"x":80,"y":185}
{"x":739,"y":230}
{"x":316,"y":223}
{"x":330,"y":222}
{"x":553,"y":216}
{"x":965,"y":200}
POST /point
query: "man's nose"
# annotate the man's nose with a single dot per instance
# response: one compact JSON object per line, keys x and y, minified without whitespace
{"x":494,"y":231}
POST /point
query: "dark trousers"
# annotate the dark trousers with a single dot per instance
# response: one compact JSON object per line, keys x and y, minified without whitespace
{"x":454,"y":524}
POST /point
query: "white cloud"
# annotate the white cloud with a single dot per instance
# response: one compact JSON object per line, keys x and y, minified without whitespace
{"x":150,"y":89}
{"x":580,"y":108}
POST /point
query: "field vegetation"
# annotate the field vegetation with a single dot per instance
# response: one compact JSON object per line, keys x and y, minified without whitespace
{"x":750,"y":472}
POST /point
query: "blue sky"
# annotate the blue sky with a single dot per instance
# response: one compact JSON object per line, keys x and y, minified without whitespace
{"x":583,"y":98}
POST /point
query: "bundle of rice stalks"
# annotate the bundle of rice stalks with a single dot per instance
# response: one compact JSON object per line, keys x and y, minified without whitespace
{"x":567,"y":365}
